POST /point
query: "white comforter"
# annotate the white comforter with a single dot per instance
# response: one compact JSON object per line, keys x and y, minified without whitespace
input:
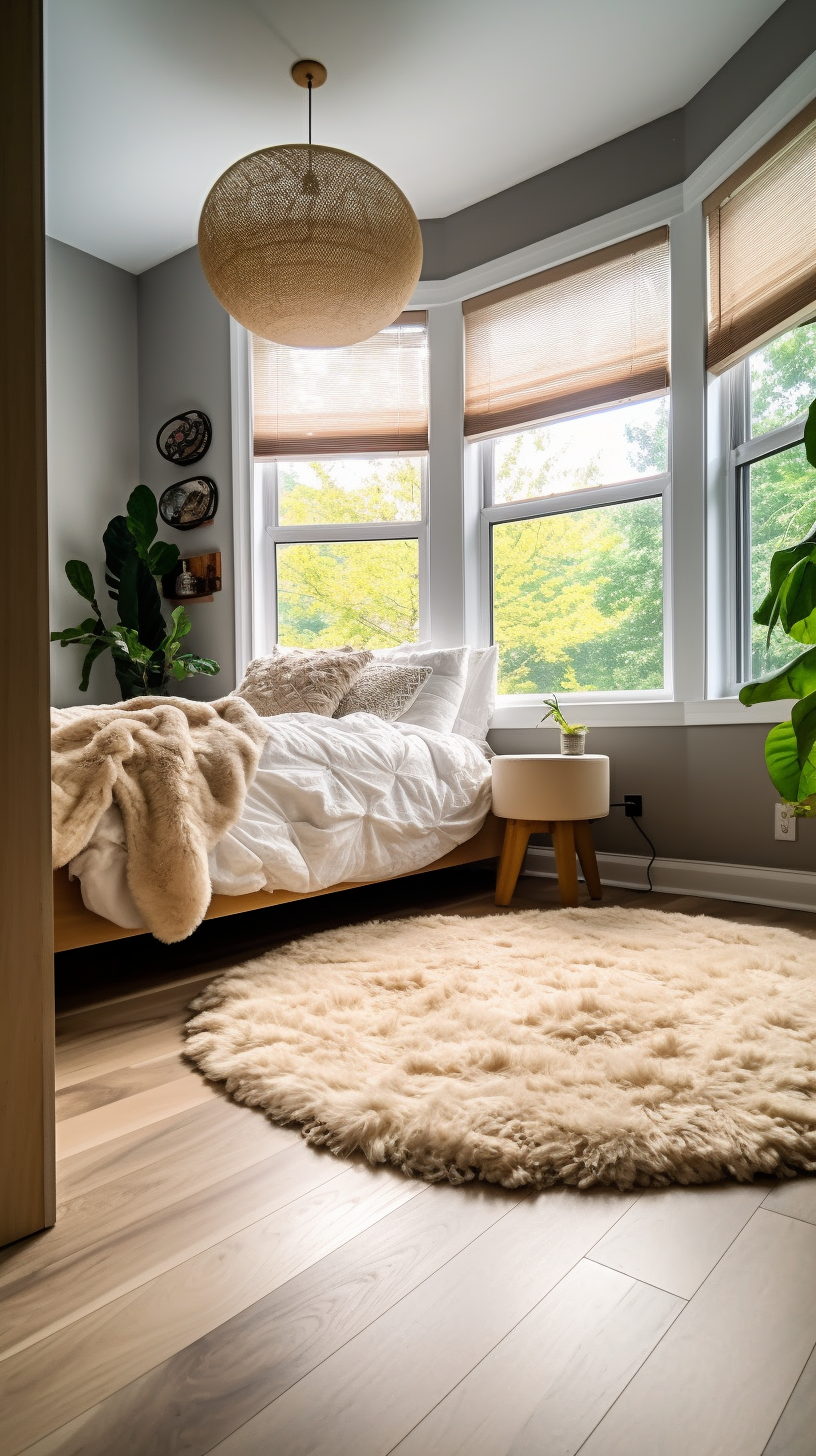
{"x":333,"y":800}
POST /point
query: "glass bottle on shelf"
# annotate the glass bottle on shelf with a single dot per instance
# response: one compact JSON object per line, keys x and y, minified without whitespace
{"x":185,"y":581}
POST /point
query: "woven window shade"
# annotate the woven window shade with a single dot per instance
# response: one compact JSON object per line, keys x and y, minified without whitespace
{"x":762,"y":245}
{"x":367,"y":399}
{"x":589,"y":333}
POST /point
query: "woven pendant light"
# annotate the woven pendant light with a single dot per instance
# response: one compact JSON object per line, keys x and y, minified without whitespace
{"x":309,"y":245}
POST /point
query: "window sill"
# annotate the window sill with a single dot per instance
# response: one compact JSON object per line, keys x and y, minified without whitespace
{"x":640,"y":712}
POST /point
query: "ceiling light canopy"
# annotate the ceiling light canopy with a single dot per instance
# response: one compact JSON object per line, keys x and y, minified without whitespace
{"x":308,"y":245}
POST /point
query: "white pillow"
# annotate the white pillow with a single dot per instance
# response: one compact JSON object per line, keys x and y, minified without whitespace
{"x":402,"y":649}
{"x":437,"y":704}
{"x":479,"y":697}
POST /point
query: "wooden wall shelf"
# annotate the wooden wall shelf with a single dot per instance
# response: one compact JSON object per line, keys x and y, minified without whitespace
{"x":207,"y":571}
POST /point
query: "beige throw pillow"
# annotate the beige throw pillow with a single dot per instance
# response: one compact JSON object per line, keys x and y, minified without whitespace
{"x":384,"y":689}
{"x":297,"y":680}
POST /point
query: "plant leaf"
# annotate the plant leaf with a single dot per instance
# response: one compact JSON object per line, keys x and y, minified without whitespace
{"x":129,"y":592}
{"x":181,"y":622}
{"x":194,"y":664}
{"x":70,"y":634}
{"x":804,"y":631}
{"x":803,"y":719}
{"x":79,"y":575}
{"x":794,"y":681}
{"x":95,"y":650}
{"x":162,"y":557}
{"x":142,"y":518}
{"x":118,"y":544}
{"x":797,"y":595}
{"x":782,"y":761}
{"x":810,"y":434}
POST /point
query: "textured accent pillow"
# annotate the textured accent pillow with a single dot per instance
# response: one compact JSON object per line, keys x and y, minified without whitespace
{"x":437,"y":705}
{"x":385,"y":689}
{"x":298,"y":680}
{"x":479,"y":697}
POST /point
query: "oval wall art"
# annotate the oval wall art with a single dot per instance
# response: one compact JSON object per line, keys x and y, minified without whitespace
{"x":186,"y":438}
{"x":189,"y":503}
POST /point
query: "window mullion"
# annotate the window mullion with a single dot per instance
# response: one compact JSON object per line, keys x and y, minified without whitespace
{"x":357,"y":531}
{"x":578,"y":500}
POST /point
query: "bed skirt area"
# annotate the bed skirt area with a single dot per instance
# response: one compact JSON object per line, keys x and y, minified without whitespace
{"x":75,"y":926}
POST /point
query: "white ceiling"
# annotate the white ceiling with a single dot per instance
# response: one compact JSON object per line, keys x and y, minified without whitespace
{"x":147,"y":101}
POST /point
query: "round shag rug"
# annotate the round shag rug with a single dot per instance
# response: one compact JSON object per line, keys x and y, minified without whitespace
{"x":604,"y":1046}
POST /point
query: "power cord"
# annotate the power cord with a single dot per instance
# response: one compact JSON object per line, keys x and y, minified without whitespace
{"x":631,"y":814}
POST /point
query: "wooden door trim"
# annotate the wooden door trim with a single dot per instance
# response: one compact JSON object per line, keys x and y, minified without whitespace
{"x":27,"y":1199}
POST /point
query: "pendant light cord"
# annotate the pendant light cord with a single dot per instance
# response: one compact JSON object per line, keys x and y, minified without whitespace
{"x":310,"y":109}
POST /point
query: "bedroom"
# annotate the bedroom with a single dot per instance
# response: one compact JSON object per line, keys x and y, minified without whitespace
{"x":561,"y":463}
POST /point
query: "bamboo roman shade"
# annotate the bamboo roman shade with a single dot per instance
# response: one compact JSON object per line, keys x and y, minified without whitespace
{"x":589,"y":333}
{"x":762,"y":244}
{"x":368,"y":399}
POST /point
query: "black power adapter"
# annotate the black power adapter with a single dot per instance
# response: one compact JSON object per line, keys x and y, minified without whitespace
{"x":632,"y":806}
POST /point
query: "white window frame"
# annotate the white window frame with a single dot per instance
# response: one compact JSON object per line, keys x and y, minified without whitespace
{"x":743,"y":451}
{"x":271,"y":534}
{"x":567,"y":503}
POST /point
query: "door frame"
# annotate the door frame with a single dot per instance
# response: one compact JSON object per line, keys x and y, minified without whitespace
{"x":27,"y":1167}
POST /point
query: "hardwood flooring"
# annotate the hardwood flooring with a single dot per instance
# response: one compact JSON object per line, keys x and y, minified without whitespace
{"x":215,"y":1284}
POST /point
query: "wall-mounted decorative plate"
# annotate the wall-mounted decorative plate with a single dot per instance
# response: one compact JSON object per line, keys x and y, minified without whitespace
{"x":189,"y":503}
{"x":186,"y":438}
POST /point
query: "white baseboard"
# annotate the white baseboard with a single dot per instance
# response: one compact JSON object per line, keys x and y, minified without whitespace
{"x":789,"y":889}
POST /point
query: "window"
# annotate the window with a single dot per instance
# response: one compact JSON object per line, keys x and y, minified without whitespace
{"x":576,"y":563}
{"x":574,"y":503}
{"x":341,"y":475}
{"x":773,"y":500}
{"x":762,"y":340}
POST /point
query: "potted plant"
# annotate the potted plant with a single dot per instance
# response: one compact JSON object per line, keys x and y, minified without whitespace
{"x":573,"y":735}
{"x":790,"y":748}
{"x":147,"y":656}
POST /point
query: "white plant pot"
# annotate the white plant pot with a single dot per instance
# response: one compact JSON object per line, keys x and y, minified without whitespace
{"x":573,"y":744}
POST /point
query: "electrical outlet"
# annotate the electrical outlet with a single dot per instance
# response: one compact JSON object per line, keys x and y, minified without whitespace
{"x":633,"y":805}
{"x":784,"y":822}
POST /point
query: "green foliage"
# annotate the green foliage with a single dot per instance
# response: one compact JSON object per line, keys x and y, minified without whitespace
{"x":365,"y":593}
{"x":554,"y":712}
{"x":650,"y":443}
{"x":810,"y":435}
{"x":146,"y":656}
{"x":79,"y":575}
{"x":789,"y":605}
{"x":578,"y":600}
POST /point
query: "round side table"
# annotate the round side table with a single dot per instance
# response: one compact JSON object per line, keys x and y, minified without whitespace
{"x":547,"y":793}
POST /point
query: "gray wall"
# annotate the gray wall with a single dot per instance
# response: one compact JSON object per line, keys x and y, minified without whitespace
{"x":706,"y":792}
{"x":184,"y":363}
{"x":639,"y":163}
{"x":93,"y":438}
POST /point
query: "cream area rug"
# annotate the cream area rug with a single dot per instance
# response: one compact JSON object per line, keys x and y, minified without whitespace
{"x":607,"y":1046}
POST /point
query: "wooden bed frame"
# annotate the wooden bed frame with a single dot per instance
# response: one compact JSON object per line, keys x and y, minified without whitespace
{"x":74,"y":926}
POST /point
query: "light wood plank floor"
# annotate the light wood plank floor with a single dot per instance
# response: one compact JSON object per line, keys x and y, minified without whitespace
{"x":214,"y":1284}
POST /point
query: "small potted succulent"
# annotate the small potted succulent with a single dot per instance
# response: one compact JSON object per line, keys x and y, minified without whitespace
{"x":573,"y":735}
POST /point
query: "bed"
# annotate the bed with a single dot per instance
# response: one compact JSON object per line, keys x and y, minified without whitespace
{"x":76,"y":926}
{"x":336,"y":803}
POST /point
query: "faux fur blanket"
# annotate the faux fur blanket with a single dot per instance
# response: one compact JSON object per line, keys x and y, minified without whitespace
{"x":178,"y":772}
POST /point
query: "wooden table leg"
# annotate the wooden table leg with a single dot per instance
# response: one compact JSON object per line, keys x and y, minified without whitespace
{"x":585,"y":848}
{"x":564,"y":845}
{"x":516,"y":835}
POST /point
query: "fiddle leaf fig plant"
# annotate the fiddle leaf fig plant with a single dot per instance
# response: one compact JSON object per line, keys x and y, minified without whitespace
{"x":147,"y":657}
{"x":790,"y":748}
